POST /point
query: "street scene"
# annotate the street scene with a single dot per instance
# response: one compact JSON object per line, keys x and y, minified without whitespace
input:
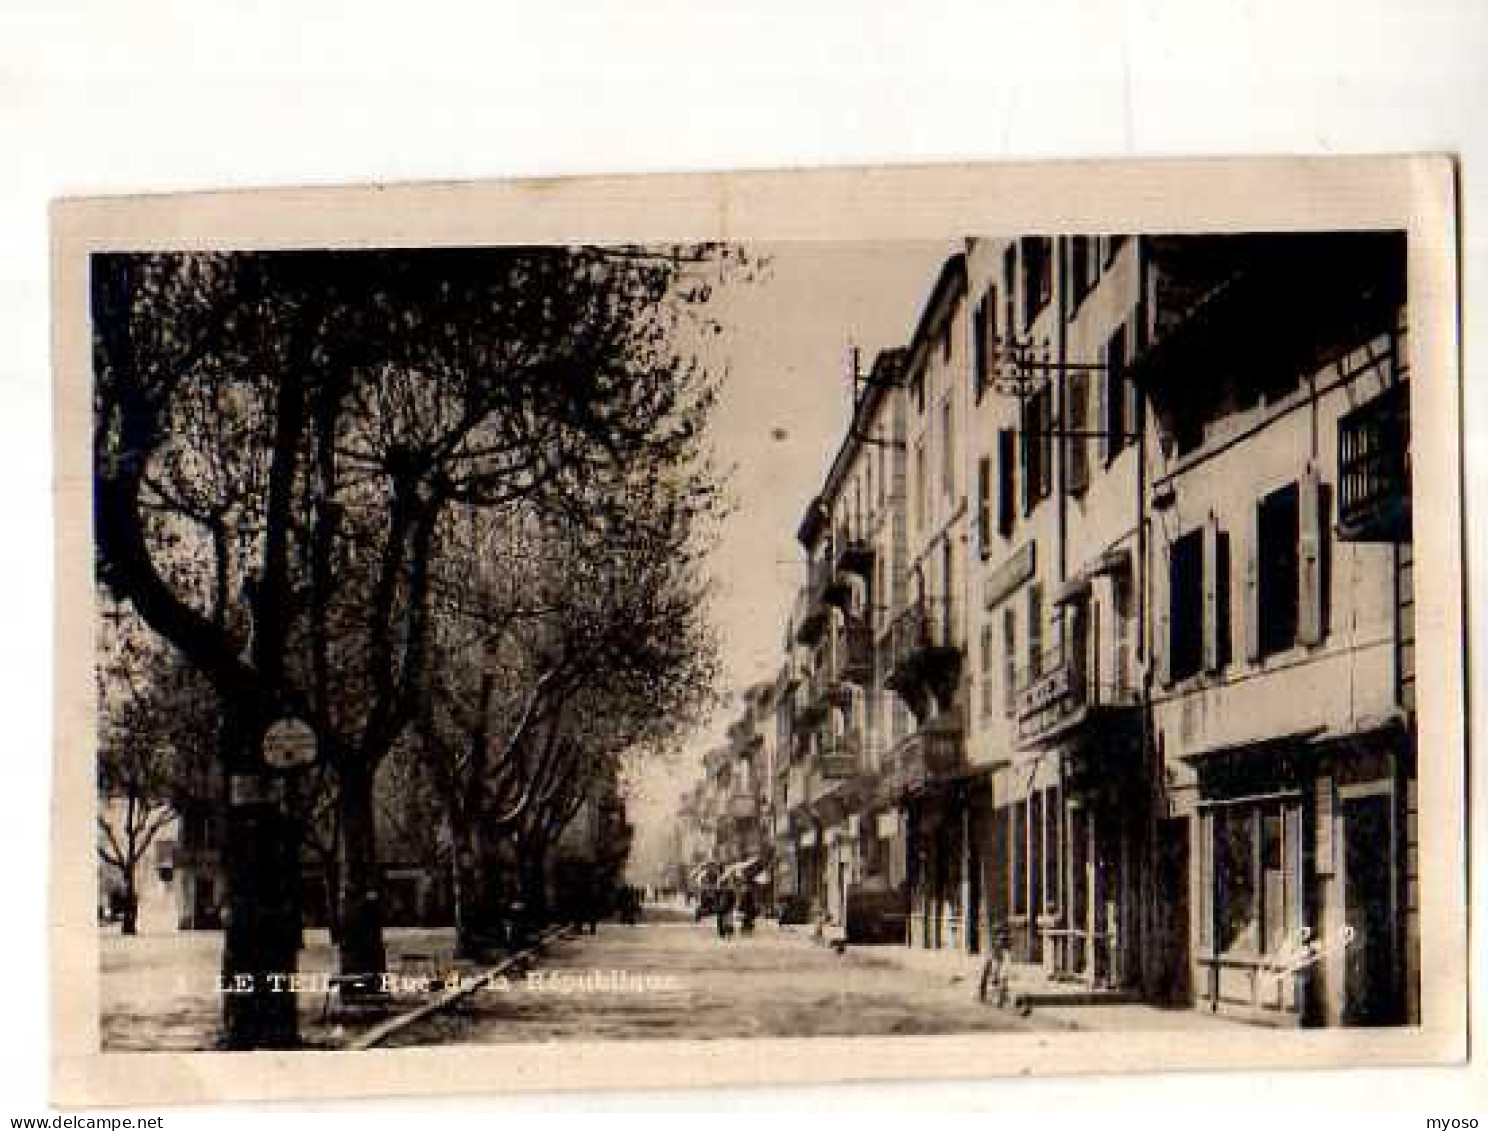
{"x":996,"y":634}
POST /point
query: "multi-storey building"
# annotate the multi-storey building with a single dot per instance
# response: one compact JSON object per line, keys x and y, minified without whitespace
{"x":1128,"y":525}
{"x":855,"y":537}
{"x":1056,"y":458}
{"x":1283,"y":699}
{"x":922,"y":640}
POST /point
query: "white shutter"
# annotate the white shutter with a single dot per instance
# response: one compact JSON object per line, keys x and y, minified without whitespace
{"x":1310,"y":627}
{"x":1162,"y":644}
{"x":1252,"y":604}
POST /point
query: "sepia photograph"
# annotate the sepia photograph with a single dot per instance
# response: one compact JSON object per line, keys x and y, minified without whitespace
{"x":998,"y":628}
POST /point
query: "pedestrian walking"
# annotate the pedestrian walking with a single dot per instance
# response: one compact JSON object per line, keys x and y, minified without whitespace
{"x":725,"y":912}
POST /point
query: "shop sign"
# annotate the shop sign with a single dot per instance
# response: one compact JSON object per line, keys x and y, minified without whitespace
{"x":1006,"y":578}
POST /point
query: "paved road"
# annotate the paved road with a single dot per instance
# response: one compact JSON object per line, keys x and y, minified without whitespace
{"x":675,"y":978}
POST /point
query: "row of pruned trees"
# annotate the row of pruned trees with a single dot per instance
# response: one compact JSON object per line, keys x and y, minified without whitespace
{"x":445,"y":507}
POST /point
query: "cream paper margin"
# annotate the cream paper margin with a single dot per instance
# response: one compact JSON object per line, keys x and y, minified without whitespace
{"x":912,"y":202}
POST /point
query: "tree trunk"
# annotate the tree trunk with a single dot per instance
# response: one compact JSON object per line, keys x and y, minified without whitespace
{"x":361,"y":944}
{"x":129,"y":925}
{"x":331,"y":885}
{"x":473,"y":920}
{"x":532,"y":880}
{"x":262,"y":933}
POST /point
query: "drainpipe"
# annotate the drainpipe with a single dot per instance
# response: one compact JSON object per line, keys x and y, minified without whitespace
{"x":1141,"y":594}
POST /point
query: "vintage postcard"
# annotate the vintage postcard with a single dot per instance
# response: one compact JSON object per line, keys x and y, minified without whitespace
{"x":784,"y":627}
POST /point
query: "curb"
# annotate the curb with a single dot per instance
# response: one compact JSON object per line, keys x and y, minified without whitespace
{"x":379,"y":1033}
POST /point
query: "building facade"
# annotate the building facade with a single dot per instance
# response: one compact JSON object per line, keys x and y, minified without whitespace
{"x":1105,"y":657}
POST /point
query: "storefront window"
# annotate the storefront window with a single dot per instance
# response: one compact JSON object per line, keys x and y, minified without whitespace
{"x":1017,"y":856}
{"x":1234,"y":854}
{"x":1247,"y":860}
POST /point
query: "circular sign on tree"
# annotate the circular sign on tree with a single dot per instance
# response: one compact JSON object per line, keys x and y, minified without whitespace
{"x":289,"y":744}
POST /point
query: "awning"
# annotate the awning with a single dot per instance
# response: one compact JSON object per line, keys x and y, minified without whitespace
{"x":1253,"y":748}
{"x":1075,"y":589}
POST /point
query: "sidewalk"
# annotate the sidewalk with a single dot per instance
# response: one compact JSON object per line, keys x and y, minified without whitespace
{"x":1115,"y":1013}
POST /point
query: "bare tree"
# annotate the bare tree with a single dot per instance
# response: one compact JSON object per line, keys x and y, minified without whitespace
{"x":279,"y":441}
{"x":155,"y":738}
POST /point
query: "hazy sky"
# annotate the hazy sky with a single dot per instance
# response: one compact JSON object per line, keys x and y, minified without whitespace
{"x":782,"y":414}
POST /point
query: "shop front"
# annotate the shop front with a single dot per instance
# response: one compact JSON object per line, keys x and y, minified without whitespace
{"x":1306,"y":872}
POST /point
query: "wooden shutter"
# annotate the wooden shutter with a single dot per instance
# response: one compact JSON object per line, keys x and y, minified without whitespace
{"x":984,"y":506}
{"x":1251,"y":613}
{"x":1102,"y":413}
{"x":979,"y":348}
{"x":1077,"y":450}
{"x":1162,"y":644}
{"x":1026,"y":441}
{"x":1212,"y":650}
{"x":1006,"y":461}
{"x":1310,"y":534}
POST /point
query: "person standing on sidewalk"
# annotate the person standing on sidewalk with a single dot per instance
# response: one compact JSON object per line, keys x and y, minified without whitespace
{"x":725,"y":912}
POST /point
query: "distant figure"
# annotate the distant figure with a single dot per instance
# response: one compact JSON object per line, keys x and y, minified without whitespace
{"x":748,"y":910}
{"x":725,"y":912}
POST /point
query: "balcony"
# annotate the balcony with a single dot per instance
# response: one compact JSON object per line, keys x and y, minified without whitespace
{"x":921,"y":650}
{"x":743,"y":807}
{"x":853,"y":652}
{"x":839,"y":783}
{"x":930,"y":756}
{"x":813,"y":606}
{"x":854,"y":556}
{"x":1063,"y":694}
{"x":816,"y":698}
{"x":1374,"y":481}
{"x":841,"y":757}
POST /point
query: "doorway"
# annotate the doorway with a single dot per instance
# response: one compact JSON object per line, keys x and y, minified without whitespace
{"x":1370,"y":986}
{"x":1172,"y":900}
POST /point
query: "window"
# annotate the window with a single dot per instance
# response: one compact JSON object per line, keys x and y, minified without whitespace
{"x":1186,"y":606}
{"x":984,"y":508}
{"x":979,"y":350}
{"x":1006,"y":486}
{"x":1035,"y":631}
{"x":1121,"y":627}
{"x":1017,"y":855}
{"x":948,"y":447}
{"x":1036,"y":852}
{"x":1249,"y":880}
{"x":922,"y":486}
{"x":1278,"y":578}
{"x":989,"y":696}
{"x":1120,"y":416}
{"x":1009,"y":661}
{"x":917,"y":387}
{"x":1051,"y":851}
{"x":1076,"y":442}
{"x":1084,"y":264}
{"x":1037,"y":276}
{"x":1038,"y":447}
{"x":1009,"y":287}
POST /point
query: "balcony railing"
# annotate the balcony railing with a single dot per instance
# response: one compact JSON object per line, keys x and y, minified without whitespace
{"x":935,"y":753}
{"x":1061,"y":691}
{"x":813,"y":605}
{"x":841,"y":756}
{"x":853,"y":651}
{"x":855,"y":555}
{"x":743,"y":807}
{"x":920,"y":640}
{"x":1374,"y":482}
